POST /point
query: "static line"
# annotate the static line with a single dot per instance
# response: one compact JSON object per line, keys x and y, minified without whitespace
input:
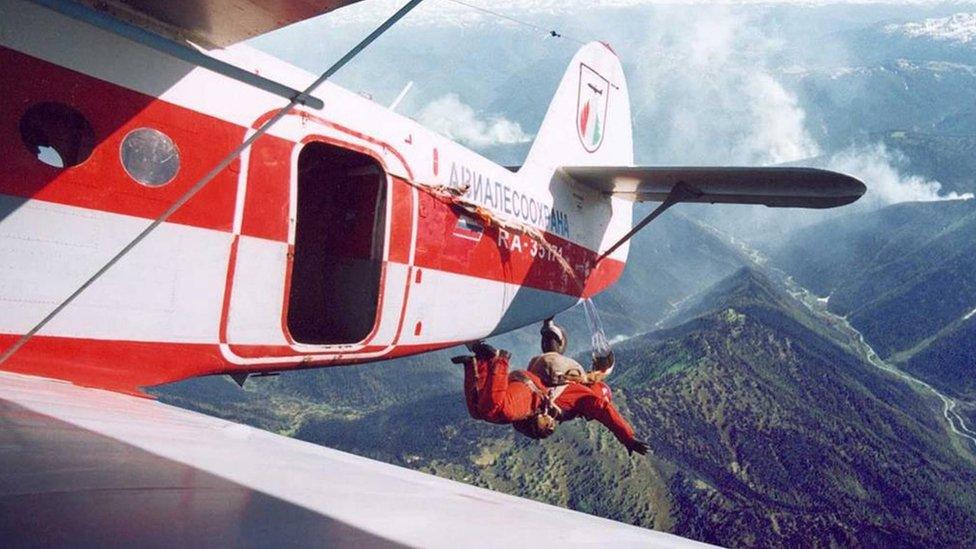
{"x":550,"y":32}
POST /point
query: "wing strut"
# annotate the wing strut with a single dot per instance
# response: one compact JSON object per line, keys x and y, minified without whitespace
{"x":171,"y":48}
{"x":679,"y":193}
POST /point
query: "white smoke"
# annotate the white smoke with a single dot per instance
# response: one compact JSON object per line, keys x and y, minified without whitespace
{"x":709,"y":87}
{"x":705,"y":85}
{"x":453,"y":119}
{"x":876,"y":166}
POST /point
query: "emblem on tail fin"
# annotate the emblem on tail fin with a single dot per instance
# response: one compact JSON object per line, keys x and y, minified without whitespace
{"x":591,"y":108}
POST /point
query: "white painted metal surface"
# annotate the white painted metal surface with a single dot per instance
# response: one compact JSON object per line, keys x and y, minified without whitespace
{"x":367,"y":498}
{"x":55,"y":247}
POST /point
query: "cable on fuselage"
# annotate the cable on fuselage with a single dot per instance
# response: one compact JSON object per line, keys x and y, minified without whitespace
{"x":552,"y":33}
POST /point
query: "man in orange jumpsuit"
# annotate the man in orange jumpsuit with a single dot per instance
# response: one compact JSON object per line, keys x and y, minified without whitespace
{"x":493,"y":395}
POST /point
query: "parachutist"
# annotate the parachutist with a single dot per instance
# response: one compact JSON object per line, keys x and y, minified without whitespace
{"x":554,"y":389}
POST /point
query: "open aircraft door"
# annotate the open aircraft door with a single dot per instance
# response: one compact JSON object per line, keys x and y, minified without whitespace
{"x":322,"y":255}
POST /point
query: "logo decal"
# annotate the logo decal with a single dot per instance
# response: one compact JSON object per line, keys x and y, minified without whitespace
{"x":591,"y":108}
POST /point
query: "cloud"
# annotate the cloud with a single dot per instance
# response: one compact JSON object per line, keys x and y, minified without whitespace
{"x":706,"y":95}
{"x":876,"y":165}
{"x":708,"y":89}
{"x":453,"y":119}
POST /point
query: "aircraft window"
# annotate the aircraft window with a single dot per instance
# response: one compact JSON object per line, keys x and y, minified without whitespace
{"x":150,"y":157}
{"x":57,"y":134}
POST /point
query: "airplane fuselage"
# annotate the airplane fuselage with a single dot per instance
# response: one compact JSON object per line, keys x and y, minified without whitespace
{"x":332,"y":240}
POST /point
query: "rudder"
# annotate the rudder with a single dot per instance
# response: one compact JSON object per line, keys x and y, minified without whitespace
{"x":588,"y":121}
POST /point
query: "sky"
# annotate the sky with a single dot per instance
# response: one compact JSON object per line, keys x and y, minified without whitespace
{"x":372,"y":8}
{"x":707,"y":79}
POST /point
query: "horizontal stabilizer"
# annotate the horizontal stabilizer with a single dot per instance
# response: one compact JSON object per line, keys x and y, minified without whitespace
{"x":774,"y":187}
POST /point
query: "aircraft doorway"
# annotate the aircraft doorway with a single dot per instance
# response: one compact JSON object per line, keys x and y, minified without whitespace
{"x":340,"y":232}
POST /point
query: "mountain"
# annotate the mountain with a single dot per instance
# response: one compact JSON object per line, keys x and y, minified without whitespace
{"x":848,"y":103}
{"x":948,"y":156}
{"x":903,"y":69}
{"x":905,"y":276}
{"x":946,"y":36}
{"x":283,"y":403}
{"x":764,"y":432}
{"x":948,"y":360}
{"x":673,"y":258}
{"x":780,"y":432}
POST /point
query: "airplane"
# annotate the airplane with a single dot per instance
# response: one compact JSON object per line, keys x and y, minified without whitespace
{"x":338,"y":233}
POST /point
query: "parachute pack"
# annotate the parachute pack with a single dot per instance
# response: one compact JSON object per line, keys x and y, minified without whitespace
{"x":556,"y":370}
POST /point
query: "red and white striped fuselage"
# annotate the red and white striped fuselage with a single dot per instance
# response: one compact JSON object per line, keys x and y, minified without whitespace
{"x":226,"y":285}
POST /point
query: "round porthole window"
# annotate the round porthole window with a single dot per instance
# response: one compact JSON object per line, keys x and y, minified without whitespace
{"x":57,"y":134}
{"x":150,"y":157}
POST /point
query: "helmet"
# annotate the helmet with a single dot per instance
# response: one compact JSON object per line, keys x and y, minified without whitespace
{"x":553,"y":337}
{"x":539,"y":426}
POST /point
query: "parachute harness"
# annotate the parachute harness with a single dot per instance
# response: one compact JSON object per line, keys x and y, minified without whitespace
{"x":548,"y":397}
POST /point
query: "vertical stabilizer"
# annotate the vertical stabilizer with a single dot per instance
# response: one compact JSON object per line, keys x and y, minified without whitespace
{"x":588,"y":121}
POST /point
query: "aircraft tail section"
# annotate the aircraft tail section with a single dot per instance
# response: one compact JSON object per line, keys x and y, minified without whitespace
{"x":588,"y":121}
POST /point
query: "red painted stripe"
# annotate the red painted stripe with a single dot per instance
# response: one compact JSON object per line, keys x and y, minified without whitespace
{"x":100,"y":182}
{"x":266,"y":201}
{"x":127,"y":366}
{"x":344,"y":129}
{"x":401,"y":222}
{"x":122,"y":366}
{"x":228,"y":288}
{"x":508,"y":256}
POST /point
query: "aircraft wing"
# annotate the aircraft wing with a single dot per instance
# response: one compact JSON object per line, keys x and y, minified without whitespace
{"x":779,"y":187}
{"x":221,"y":22}
{"x":86,"y":467}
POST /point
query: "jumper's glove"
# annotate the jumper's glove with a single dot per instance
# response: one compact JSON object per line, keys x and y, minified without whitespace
{"x":483,"y":351}
{"x":462,"y":359}
{"x":638,"y":446}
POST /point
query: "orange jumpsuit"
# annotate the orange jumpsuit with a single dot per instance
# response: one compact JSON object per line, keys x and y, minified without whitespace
{"x":492,"y":397}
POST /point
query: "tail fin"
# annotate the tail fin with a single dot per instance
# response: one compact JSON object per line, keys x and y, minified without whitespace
{"x":588,"y":121}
